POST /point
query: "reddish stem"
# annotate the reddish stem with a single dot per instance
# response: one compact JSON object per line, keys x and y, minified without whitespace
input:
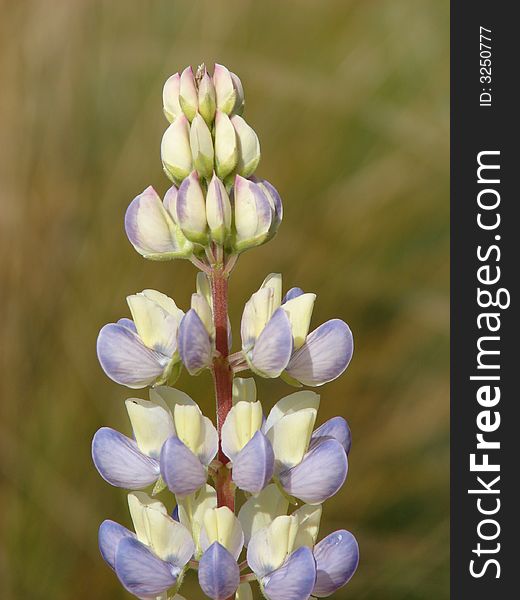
{"x":223,"y":379}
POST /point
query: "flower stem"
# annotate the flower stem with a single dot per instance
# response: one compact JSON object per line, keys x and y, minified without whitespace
{"x":223,"y":380}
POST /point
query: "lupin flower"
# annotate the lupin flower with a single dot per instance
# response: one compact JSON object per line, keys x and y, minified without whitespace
{"x":215,"y":210}
{"x":258,"y":213}
{"x":305,"y":358}
{"x":222,"y":540}
{"x":197,"y":331}
{"x":142,"y":351}
{"x":290,"y":565}
{"x":171,"y":438}
{"x":153,"y":559}
{"x":244,"y":443}
{"x":309,"y":465}
{"x":152,"y":229}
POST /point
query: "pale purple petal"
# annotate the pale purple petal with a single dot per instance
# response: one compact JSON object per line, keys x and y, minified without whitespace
{"x":254,"y":465}
{"x":325,"y":354}
{"x":336,"y":428}
{"x":320,"y":475}
{"x":292,"y":293}
{"x":141,"y":572}
{"x":264,"y":210}
{"x":274,"y":345}
{"x":120,"y":462}
{"x":125,"y":359}
{"x":294,"y":580}
{"x":109,"y":536}
{"x":181,"y":470}
{"x":128,"y":323}
{"x":195,"y":347}
{"x":337,"y":558}
{"x":219,"y":574}
{"x":277,"y":205}
{"x":170,"y":201}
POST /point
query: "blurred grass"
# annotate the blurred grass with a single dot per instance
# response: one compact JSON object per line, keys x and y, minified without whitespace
{"x":350,"y":100}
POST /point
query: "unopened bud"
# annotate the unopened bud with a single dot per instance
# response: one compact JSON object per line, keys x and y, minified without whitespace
{"x":228,"y":88}
{"x":218,"y":210}
{"x":172,"y":108}
{"x":188,"y":95}
{"x":253,"y":214}
{"x":207,"y":99}
{"x":226,"y":150}
{"x":191,"y":210}
{"x":201,"y":147}
{"x":176,"y":151}
{"x":248,"y":147}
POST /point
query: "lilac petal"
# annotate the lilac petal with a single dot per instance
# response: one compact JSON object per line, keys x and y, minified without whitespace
{"x":141,"y":572}
{"x":294,"y":580}
{"x":337,"y":558}
{"x":336,"y":428}
{"x":254,"y":465}
{"x":195,"y":345}
{"x":274,"y":345}
{"x":319,"y":476}
{"x":325,"y":354}
{"x":125,"y":359}
{"x":109,"y":536}
{"x":181,"y":470}
{"x":292,"y":293}
{"x":120,"y":462}
{"x":219,"y":574}
{"x":276,"y":204}
{"x":128,"y":323}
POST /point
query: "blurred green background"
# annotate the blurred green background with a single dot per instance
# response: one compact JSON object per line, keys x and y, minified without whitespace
{"x":350,"y":101}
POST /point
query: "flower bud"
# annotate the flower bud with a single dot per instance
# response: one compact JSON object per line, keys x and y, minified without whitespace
{"x":188,"y":95}
{"x":248,"y":147}
{"x":253,"y":214}
{"x":226,"y":92}
{"x":207,"y":99}
{"x":191,"y":210}
{"x":201,"y":147}
{"x":218,"y":210}
{"x":176,"y":151}
{"x":226,"y":150}
{"x":172,"y":108}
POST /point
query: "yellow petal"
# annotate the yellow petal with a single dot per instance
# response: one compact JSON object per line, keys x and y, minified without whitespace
{"x":189,"y":426}
{"x":309,"y":518}
{"x":290,"y":437}
{"x":291,"y":404}
{"x":138,"y":503}
{"x":244,"y":389}
{"x":222,"y":526}
{"x":241,"y":424}
{"x":152,"y":424}
{"x":260,"y":511}
{"x":192,"y":510}
{"x":299,"y":311}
